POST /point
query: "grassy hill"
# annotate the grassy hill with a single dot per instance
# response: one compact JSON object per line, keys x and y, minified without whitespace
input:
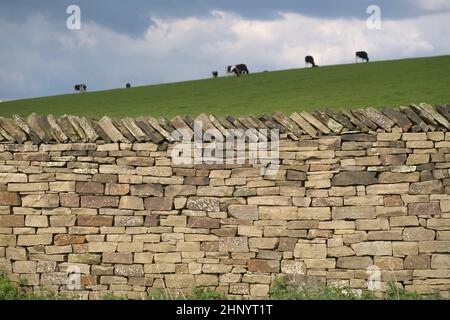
{"x":375,"y":84}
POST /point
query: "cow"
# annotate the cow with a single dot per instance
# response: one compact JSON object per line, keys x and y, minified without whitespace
{"x":128,"y":85}
{"x":362,"y":55}
{"x":309,"y":61}
{"x":238,"y":69}
{"x":215,"y":74}
{"x":80,"y":87}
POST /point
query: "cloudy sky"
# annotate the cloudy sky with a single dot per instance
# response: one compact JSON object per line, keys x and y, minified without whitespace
{"x":155,"y":41}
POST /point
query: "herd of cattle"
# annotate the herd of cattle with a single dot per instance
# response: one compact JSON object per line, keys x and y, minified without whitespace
{"x":241,"y":69}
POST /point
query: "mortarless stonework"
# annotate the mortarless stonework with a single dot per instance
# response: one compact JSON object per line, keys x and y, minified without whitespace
{"x":355,"y":190}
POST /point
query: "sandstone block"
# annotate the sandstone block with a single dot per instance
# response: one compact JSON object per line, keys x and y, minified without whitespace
{"x":428,"y":209}
{"x":41,"y":201}
{"x":233,"y":244}
{"x":131,"y":203}
{"x":203,"y":222}
{"x":203,"y":204}
{"x":374,"y":248}
{"x":264,"y":266}
{"x":310,"y":250}
{"x":356,"y":263}
{"x":158,"y":204}
{"x":352,"y":178}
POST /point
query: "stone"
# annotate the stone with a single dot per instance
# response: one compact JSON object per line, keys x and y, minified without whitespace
{"x":278,"y":213}
{"x":203,"y":222}
{"x":35,"y":221}
{"x":418,"y":158}
{"x":434,"y":246}
{"x":128,"y":221}
{"x":318,"y":213}
{"x":177,"y":281}
{"x":102,"y":247}
{"x":106,"y":124}
{"x":293,"y":267}
{"x":172,"y":257}
{"x":440,"y":261}
{"x":33,"y":240}
{"x":143,"y":257}
{"x":269,"y":201}
{"x":84,"y":258}
{"x":374,"y":248}
{"x":115,"y":257}
{"x":356,"y":263}
{"x":116,"y":189}
{"x":11,"y":221}
{"x":83,"y":187}
{"x":41,"y":201}
{"x":264,"y":266}
{"x":417,"y":262}
{"x":7,"y":240}
{"x":341,"y":251}
{"x":245,"y":212}
{"x":99,"y":202}
{"x":94,"y":221}
{"x":233,"y":244}
{"x":129,"y":271}
{"x":418,"y":234}
{"x":393,"y":159}
{"x":428,"y":209}
{"x":351,"y":178}
{"x":404,"y":221}
{"x":405,"y":248}
{"x":175,"y":221}
{"x":388,"y":263}
{"x":203,"y":204}
{"x":131,"y":202}
{"x":354,"y":212}
{"x":68,"y":239}
{"x":147,"y":190}
{"x":391,"y":188}
{"x":16,"y":253}
{"x":9,"y":198}
{"x":427,"y":187}
{"x":25,"y":267}
{"x":263,"y":243}
{"x":13,"y":177}
{"x":158,"y":204}
{"x":391,"y":177}
{"x":310,"y":250}
{"x":372,"y":224}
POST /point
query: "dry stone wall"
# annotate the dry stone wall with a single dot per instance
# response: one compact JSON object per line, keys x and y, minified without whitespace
{"x":357,"y":192}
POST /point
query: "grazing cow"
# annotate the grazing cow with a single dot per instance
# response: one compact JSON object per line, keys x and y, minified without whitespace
{"x":215,"y":74}
{"x":362,"y":55}
{"x":80,"y":87}
{"x":128,"y":85}
{"x":238,"y":69}
{"x":309,"y":61}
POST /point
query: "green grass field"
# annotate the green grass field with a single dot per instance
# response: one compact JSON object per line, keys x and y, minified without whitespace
{"x":377,"y":84}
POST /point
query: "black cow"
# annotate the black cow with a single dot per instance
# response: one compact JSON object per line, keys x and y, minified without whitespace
{"x":362,"y":55}
{"x":80,"y":87}
{"x":128,"y":85}
{"x":238,"y":69}
{"x":215,"y":74}
{"x":309,"y":61}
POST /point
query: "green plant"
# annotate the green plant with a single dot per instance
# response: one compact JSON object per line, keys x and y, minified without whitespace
{"x":205,"y":294}
{"x":198,"y":293}
{"x":10,"y":290}
{"x":396,"y":292}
